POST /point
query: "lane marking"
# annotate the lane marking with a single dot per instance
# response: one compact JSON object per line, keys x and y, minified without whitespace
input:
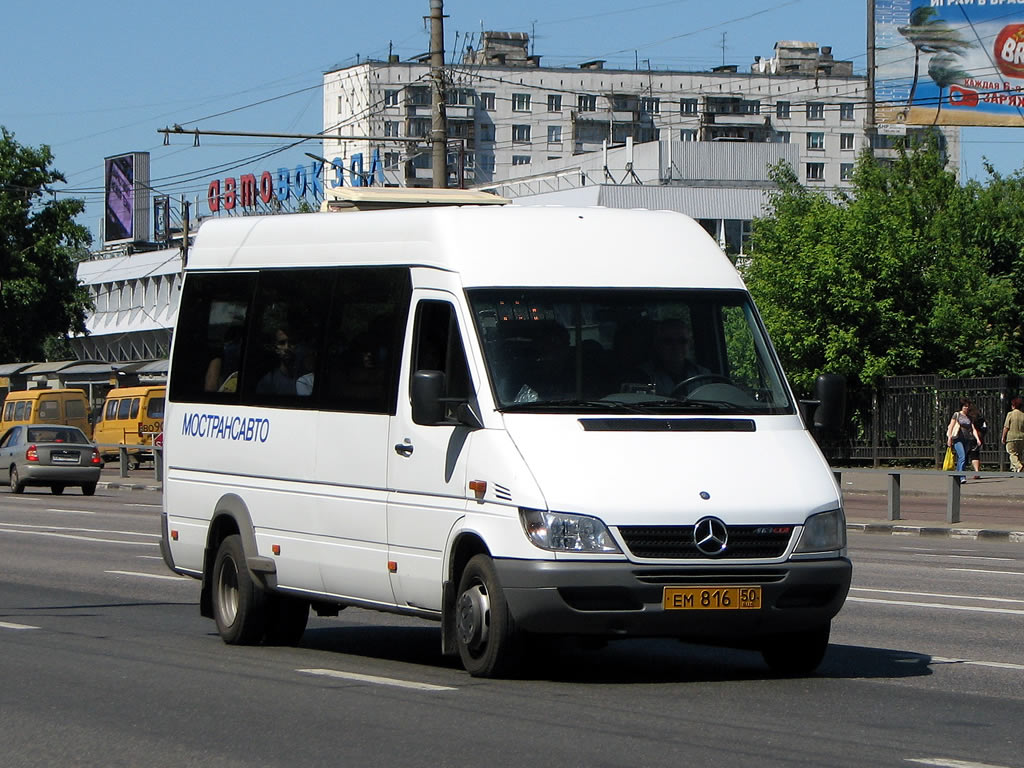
{"x":937,"y":594}
{"x":152,"y":506}
{"x":971,"y":608}
{"x":985,"y":570}
{"x":941,"y":762}
{"x":9,"y":625}
{"x":974,"y":557}
{"x":81,"y":538}
{"x":373,"y":679}
{"x":77,"y":530}
{"x":72,"y":511}
{"x":149,"y":557}
{"x":994,"y":664}
{"x":150,"y":575}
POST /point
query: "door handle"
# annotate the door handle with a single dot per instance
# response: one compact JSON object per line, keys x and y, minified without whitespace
{"x":403,"y":449}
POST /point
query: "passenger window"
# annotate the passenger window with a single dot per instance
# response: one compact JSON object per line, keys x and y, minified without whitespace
{"x":8,"y":411}
{"x":49,"y":409}
{"x":155,"y":408}
{"x":438,"y":347}
{"x":11,"y":438}
{"x":285,"y":337}
{"x":111,"y":410}
{"x":19,"y":410}
{"x":74,"y":409}
{"x":365,"y":328}
{"x":124,"y":408}
{"x":135,"y":408}
{"x":209,"y":339}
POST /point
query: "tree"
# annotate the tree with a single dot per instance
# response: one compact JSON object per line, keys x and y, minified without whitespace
{"x":929,"y":34}
{"x":40,"y":296}
{"x":890,"y":279}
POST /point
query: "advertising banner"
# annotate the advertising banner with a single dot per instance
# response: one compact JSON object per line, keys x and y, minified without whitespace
{"x":126,"y":198}
{"x":949,"y":62}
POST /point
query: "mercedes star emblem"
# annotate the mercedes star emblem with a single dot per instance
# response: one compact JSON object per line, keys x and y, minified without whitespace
{"x":710,"y":536}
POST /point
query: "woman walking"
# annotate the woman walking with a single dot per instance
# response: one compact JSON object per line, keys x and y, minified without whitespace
{"x":962,"y":435}
{"x":1013,"y":433}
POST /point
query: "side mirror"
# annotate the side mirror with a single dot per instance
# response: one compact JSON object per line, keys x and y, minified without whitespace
{"x":427,"y":387}
{"x":830,"y":390}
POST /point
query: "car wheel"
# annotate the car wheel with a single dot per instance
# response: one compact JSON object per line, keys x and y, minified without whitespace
{"x":88,"y":489}
{"x":56,"y":489}
{"x":796,"y":653}
{"x":286,"y":619}
{"x":16,"y":485}
{"x":485,"y":633}
{"x":239,"y":603}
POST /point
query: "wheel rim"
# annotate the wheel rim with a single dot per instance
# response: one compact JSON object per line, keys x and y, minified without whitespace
{"x":14,"y":479}
{"x":474,"y":617}
{"x":227,"y":591}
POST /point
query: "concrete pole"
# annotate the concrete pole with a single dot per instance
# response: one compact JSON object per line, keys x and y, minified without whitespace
{"x":439,"y":122}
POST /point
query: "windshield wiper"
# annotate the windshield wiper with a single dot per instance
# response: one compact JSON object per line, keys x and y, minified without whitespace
{"x":689,"y":404}
{"x":612,"y":405}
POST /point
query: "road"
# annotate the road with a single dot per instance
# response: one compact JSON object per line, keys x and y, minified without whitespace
{"x":105,"y":661}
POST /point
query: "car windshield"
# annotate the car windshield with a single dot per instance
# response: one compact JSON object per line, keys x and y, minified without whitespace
{"x":56,"y":435}
{"x":633,"y":350}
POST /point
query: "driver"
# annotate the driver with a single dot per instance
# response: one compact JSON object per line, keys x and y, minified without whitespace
{"x":672,"y":362}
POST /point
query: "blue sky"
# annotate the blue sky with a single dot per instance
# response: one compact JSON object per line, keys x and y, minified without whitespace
{"x":97,"y":79}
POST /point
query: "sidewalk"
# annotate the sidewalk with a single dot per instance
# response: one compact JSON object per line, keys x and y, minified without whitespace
{"x":991,"y":507}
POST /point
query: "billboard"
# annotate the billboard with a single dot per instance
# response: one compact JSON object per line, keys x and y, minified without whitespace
{"x":126,"y":198}
{"x":949,"y":62}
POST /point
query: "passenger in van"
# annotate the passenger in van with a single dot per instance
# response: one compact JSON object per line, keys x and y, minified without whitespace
{"x":222,"y":372}
{"x":291,"y":375}
{"x":672,"y":362}
{"x":549,"y":374}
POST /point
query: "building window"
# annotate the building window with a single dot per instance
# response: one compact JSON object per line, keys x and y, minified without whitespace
{"x":521,"y":133}
{"x":419,"y":127}
{"x":487,"y":132}
{"x":520,"y":102}
{"x":554,"y":134}
{"x":390,"y":161}
{"x":815,"y":171}
{"x":418,"y":95}
{"x":650,"y":105}
{"x":846,"y":171}
{"x":780,"y":137}
{"x":688,"y":134}
{"x":688,"y":106}
{"x":730,"y":105}
{"x":846,"y":111}
{"x":815,"y":140}
{"x":391,"y":98}
{"x":846,"y":141}
{"x":458,"y":96}
{"x":390,"y":128}
{"x":554,"y":102}
{"x":586,"y":103}
{"x":520,"y":159}
{"x":782,"y":109}
{"x":815,"y":110}
{"x":487,"y":101}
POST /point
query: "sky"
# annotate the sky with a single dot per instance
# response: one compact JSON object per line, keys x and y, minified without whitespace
{"x":95,"y":79}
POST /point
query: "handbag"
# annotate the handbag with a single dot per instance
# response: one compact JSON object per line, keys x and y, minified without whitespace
{"x":949,"y":462}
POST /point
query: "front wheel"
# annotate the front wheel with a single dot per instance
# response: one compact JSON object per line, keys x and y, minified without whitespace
{"x":796,"y":653}
{"x":239,"y":603}
{"x":286,"y":619}
{"x":485,"y":633}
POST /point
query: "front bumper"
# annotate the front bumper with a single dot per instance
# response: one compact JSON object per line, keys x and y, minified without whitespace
{"x":614,"y":599}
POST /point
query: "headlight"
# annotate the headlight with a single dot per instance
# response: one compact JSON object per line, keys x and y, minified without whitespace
{"x":824,"y":532}
{"x":562,"y":532}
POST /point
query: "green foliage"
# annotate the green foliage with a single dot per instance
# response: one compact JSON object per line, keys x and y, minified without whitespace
{"x":39,"y":243}
{"x":901,"y":276}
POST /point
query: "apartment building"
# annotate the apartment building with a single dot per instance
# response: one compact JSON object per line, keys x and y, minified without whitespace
{"x":508,"y":115}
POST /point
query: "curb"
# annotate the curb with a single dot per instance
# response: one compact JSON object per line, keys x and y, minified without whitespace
{"x":924,"y":530}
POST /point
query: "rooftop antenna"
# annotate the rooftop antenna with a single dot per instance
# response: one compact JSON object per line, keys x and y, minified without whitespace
{"x":723,"y":49}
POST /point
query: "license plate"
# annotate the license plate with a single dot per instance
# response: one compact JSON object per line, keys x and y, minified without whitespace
{"x":64,"y":459}
{"x":711,"y":598}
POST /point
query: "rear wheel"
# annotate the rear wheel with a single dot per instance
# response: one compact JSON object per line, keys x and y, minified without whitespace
{"x":239,"y":603}
{"x":286,"y":619}
{"x":88,"y":489}
{"x":16,"y":485}
{"x":796,"y":653}
{"x":57,"y":489}
{"x":485,"y":633}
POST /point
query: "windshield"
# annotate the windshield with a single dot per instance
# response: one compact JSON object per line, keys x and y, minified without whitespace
{"x":641,"y":350}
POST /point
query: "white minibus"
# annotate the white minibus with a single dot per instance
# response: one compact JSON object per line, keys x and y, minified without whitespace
{"x":516,"y":421}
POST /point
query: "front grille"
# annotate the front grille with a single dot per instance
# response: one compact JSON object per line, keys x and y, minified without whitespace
{"x":676,"y":542}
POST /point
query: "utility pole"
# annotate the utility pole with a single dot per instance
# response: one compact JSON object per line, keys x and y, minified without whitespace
{"x":439,"y":122}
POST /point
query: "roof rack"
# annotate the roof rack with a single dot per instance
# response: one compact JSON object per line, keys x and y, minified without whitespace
{"x":379,"y":198}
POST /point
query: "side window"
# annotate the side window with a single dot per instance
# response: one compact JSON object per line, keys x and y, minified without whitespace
{"x":155,"y":408}
{"x":74,"y":409}
{"x":286,"y":331}
{"x":209,"y":338}
{"x":135,"y":408}
{"x":365,"y":328}
{"x":49,"y":409}
{"x":11,"y":438}
{"x":124,"y":407}
{"x":111,"y":412}
{"x":20,"y":410}
{"x":438,"y":347}
{"x":8,"y":411}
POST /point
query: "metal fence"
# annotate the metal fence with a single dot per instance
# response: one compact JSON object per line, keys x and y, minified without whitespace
{"x":906,"y":420}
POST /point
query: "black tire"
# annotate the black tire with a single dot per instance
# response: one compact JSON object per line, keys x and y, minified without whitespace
{"x":57,"y":489}
{"x":239,"y":603}
{"x":796,"y":653}
{"x":88,"y":489}
{"x":286,"y":619}
{"x":485,"y":633}
{"x":16,"y":485}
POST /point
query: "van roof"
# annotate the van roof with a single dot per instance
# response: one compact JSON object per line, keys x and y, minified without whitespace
{"x":28,"y":394}
{"x":132,"y":391}
{"x":486,"y":245}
